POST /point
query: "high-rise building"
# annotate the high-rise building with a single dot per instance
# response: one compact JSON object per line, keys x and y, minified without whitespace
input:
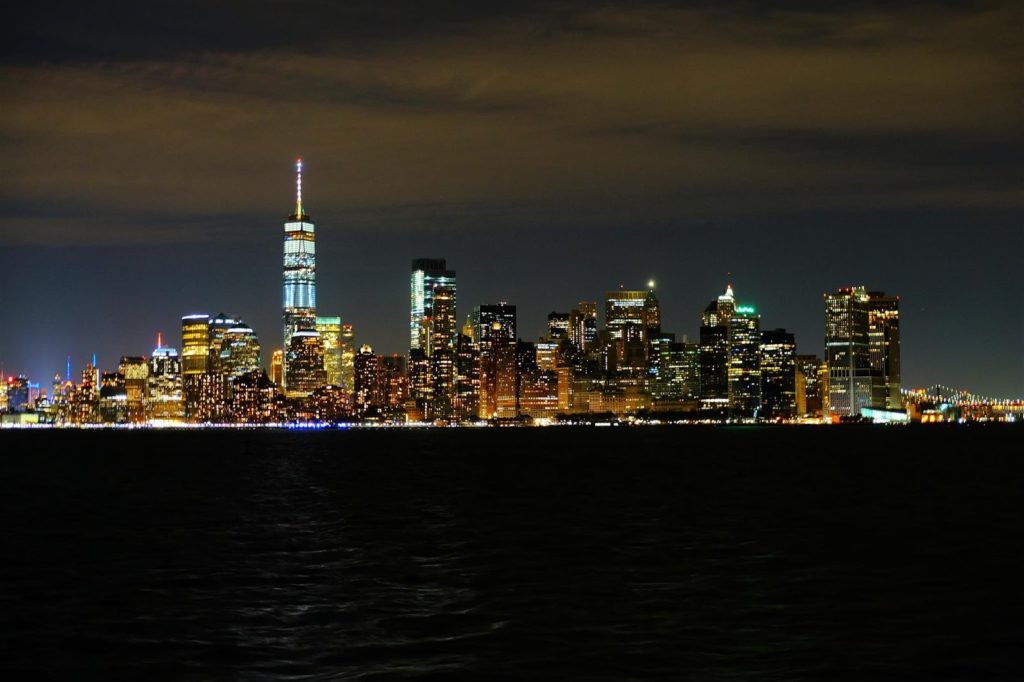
{"x":299,"y":294}
{"x":195,"y":361}
{"x":135,"y":371}
{"x":626,"y":316}
{"x":113,"y":398}
{"x":369,"y":389}
{"x":744,"y":362}
{"x":778,"y":374}
{"x":442,"y":353}
{"x":395,"y":382}
{"x":304,"y":364}
{"x":652,"y":314}
{"x":558,"y":326}
{"x":239,"y":352}
{"x":17,"y":394}
{"x":348,"y":358}
{"x":495,"y":330}
{"x":420,"y":384}
{"x":165,"y":384}
{"x":847,"y":352}
{"x":884,"y":349}
{"x":467,"y":382}
{"x":277,"y":367}
{"x":714,"y":353}
{"x":427,"y":273}
{"x":218,"y":326}
{"x":583,"y":325}
{"x":330,"y":334}
{"x":809,"y":369}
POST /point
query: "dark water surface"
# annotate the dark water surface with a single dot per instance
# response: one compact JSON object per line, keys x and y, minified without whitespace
{"x":675,"y":553}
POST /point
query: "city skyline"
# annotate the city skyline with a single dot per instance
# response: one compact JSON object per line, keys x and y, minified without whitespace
{"x":439,"y":274}
{"x":548,"y":153}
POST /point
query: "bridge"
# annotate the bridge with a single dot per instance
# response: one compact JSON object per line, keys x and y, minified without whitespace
{"x":962,"y":402}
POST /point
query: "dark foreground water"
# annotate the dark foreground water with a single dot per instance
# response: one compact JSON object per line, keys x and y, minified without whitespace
{"x":676,"y":553}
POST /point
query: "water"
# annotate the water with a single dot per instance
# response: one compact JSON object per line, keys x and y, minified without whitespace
{"x":674,"y":553}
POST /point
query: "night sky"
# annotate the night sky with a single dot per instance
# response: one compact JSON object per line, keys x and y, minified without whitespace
{"x":550,"y":151}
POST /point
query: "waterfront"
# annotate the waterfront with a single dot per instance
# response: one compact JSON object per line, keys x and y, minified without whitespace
{"x":688,"y":552}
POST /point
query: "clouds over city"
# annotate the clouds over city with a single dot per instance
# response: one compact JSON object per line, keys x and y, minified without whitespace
{"x":629,"y":113}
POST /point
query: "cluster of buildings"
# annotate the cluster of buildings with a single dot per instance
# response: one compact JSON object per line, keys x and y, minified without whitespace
{"x":482,"y":370}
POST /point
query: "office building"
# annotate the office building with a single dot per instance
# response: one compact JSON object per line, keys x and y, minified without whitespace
{"x":304,"y":364}
{"x":884,"y":350}
{"x":583,"y":325}
{"x":348,"y":358}
{"x":809,"y":370}
{"x":427,"y":273}
{"x":135,"y":371}
{"x":778,"y":374}
{"x":239,"y":352}
{"x":847,"y":352}
{"x":744,"y":363}
{"x":714,"y":354}
{"x":165,"y":402}
{"x":495,"y":329}
{"x":299,"y":296}
{"x":330,"y":333}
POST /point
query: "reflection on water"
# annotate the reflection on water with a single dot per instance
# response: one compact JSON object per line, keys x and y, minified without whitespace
{"x":561,"y":553}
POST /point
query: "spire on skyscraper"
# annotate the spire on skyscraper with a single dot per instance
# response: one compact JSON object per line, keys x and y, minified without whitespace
{"x":298,"y":189}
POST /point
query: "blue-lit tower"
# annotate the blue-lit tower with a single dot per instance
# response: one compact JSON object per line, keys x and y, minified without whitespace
{"x":299,"y":275}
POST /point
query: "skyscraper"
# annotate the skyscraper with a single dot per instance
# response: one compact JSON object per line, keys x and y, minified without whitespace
{"x":494,"y":327}
{"x":809,"y":388}
{"x":744,"y":362}
{"x":847,"y":351}
{"x":305,"y":360}
{"x":583,"y":325}
{"x":299,"y":287}
{"x":778,"y":374}
{"x":277,"y":367}
{"x":165,"y":397}
{"x":136,"y":374}
{"x":239,"y":352}
{"x":626,"y":316}
{"x":714,"y":352}
{"x":218,"y":327}
{"x":442,"y":353}
{"x":195,"y":361}
{"x":330,"y":334}
{"x":348,"y":358}
{"x":427,"y":273}
{"x":369,"y":389}
{"x":884,"y":349}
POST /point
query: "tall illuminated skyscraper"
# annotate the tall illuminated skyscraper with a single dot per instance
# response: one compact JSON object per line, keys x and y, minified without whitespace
{"x":583,"y":325}
{"x":299,"y":283}
{"x":239,"y":352}
{"x":714,"y":352}
{"x":165,"y":399}
{"x":744,"y":362}
{"x":427,"y":273}
{"x":330,"y":334}
{"x":625,"y":317}
{"x":847,"y":351}
{"x":495,"y":331}
{"x":778,"y":374}
{"x":884,"y":349}
{"x":195,"y":361}
{"x":442,"y":353}
{"x":136,"y":375}
{"x":348,"y":358}
{"x":304,"y":359}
